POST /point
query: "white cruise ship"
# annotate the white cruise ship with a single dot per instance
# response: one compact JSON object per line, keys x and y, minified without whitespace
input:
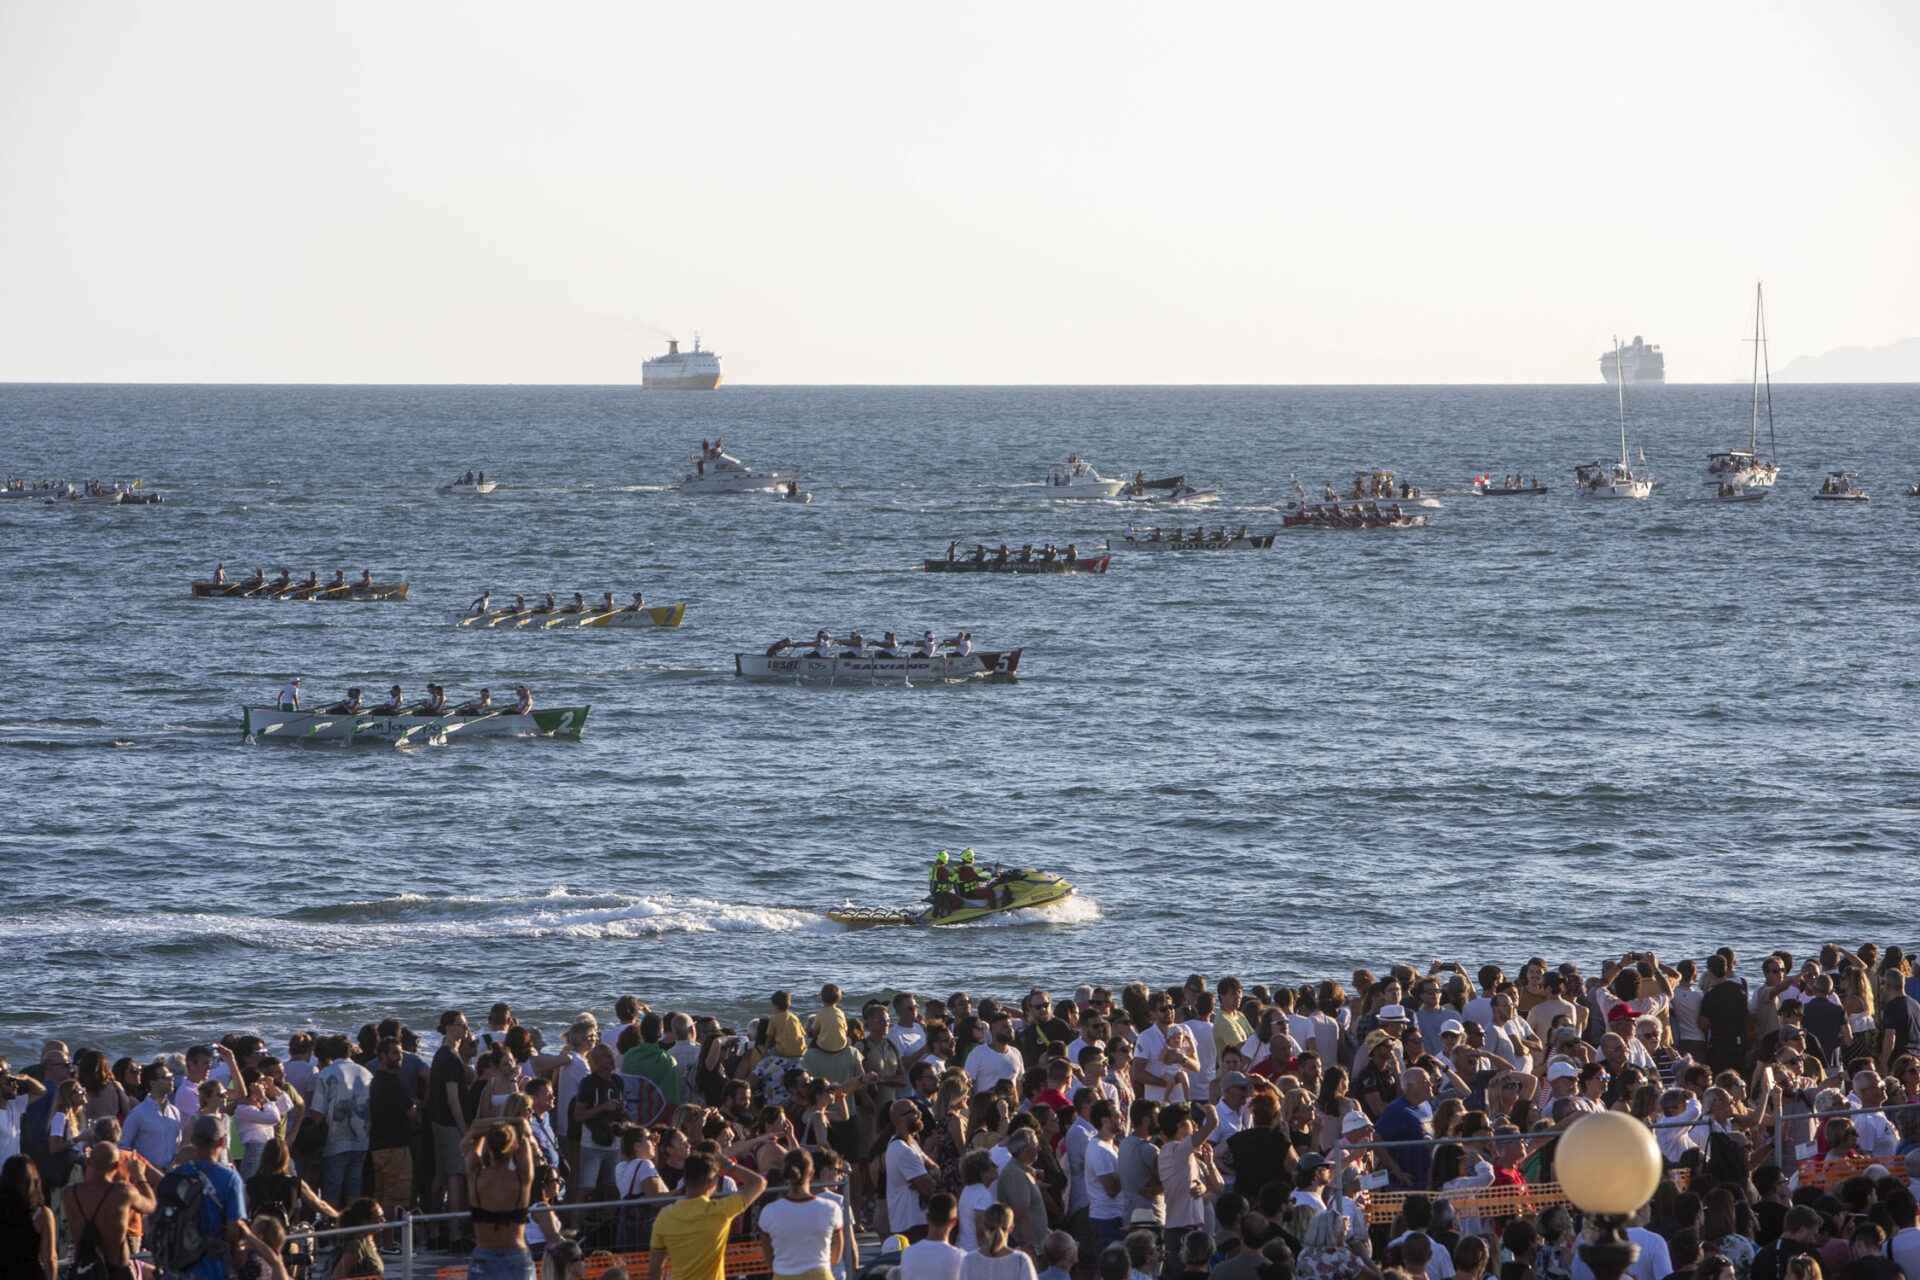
{"x":1643,"y":365}
{"x":678,"y":370}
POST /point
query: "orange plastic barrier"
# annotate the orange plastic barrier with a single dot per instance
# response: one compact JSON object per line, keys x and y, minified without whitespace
{"x":743,"y":1257}
{"x":1831,"y":1173}
{"x":1480,"y":1202}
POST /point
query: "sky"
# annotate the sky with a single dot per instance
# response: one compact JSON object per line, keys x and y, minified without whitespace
{"x":984,"y":193}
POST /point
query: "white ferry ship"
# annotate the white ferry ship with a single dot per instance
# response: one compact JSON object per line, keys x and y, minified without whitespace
{"x":678,"y":370}
{"x":1643,"y":364}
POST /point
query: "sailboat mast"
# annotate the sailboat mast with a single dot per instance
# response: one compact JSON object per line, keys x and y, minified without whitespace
{"x":1766,"y":365}
{"x":1620,"y":386}
{"x":1753,"y":437}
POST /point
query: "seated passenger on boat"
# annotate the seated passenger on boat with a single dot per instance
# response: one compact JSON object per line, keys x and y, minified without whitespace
{"x":436,"y":700}
{"x":889,"y":647}
{"x":339,"y":579}
{"x":856,"y":646}
{"x":1073,"y":553}
{"x":579,"y":604}
{"x":312,"y":579}
{"x":394,"y":703}
{"x":366,"y":577}
{"x":639,"y":602}
{"x":522,"y":702}
{"x":258,"y":578}
{"x":346,"y":706}
{"x":822,"y":645}
{"x":478,"y":707}
{"x":928,"y":645}
{"x":942,"y":886}
{"x":282,"y":582}
{"x":975,"y":885}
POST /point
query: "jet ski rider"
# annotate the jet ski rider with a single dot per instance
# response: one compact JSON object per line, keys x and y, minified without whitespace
{"x":940,"y":886}
{"x":975,"y":886}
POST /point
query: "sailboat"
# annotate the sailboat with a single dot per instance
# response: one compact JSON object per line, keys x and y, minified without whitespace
{"x":1610,"y":479}
{"x":1731,"y":474}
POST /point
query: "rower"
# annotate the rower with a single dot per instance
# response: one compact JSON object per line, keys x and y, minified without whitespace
{"x":347,"y":706}
{"x":1026,"y":554}
{"x":548,"y":606}
{"x":778,"y":647}
{"x":1002,"y":558}
{"x":290,"y":695}
{"x":478,"y":707}
{"x":940,"y":886}
{"x":822,"y":645}
{"x":519,"y":605}
{"x":979,"y":553}
{"x":339,"y":579}
{"x":366,"y":577}
{"x":436,"y":699}
{"x":258,"y":578}
{"x":1073,"y":553}
{"x":579,"y":604}
{"x":856,"y":646}
{"x":392,"y":706}
{"x":889,"y":647}
{"x":963,"y":643}
{"x":483,"y":604}
{"x":522,"y":702}
{"x":639,"y":602}
{"x":606,"y":602}
{"x":284,"y":581}
{"x":312,"y":579}
{"x":928,"y":645}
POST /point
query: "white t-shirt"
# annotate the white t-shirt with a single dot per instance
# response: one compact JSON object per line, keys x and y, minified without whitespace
{"x":975,"y":1200}
{"x":1686,"y":1013}
{"x":989,"y":1066}
{"x":1440,"y":1266}
{"x":10,"y":1114}
{"x":289,"y":694}
{"x":908,"y":1040}
{"x":572,"y":1074}
{"x":801,"y":1231}
{"x":628,"y":1175}
{"x":931,"y":1260}
{"x":57,"y":1125}
{"x":978,"y":1266}
{"x":1147,"y":1050}
{"x":1202,"y":1034}
{"x":1102,"y":1158}
{"x":905,"y":1162}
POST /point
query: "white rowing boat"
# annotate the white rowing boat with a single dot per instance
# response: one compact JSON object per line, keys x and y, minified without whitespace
{"x":1238,"y":542}
{"x":665,"y":615}
{"x":273,"y":724}
{"x":868,"y":669}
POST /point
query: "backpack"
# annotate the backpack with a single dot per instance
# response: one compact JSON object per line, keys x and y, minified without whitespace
{"x":174,"y":1234}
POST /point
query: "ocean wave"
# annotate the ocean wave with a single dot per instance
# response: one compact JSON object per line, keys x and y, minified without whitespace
{"x":410,"y":917}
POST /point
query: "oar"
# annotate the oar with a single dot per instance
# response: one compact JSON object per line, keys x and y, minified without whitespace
{"x":505,"y":615}
{"x":440,"y":726}
{"x":475,"y":617}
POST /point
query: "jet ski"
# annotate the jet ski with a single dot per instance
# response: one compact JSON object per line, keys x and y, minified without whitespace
{"x":1015,"y":890}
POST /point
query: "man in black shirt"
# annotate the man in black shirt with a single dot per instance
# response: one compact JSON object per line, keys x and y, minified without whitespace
{"x":390,"y":1132}
{"x":1799,"y":1234}
{"x":447,"y":1109}
{"x":1723,"y":1018}
{"x":1900,"y":1016}
{"x":1261,"y":1154}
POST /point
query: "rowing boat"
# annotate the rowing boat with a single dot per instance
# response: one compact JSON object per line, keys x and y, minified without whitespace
{"x":1338,"y":517}
{"x":665,"y":615}
{"x":1085,"y":564}
{"x":351,"y":591}
{"x":869,"y":669}
{"x":1252,"y":542}
{"x":271,"y":723}
{"x":1030,"y":889}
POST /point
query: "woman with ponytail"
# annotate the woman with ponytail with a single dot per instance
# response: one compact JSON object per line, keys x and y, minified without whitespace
{"x":803,"y":1232}
{"x":997,"y":1260}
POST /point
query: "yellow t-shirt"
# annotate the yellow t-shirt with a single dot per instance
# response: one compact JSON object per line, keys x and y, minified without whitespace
{"x":694,"y":1234}
{"x":1230,"y":1030}
{"x":830,"y":1029}
{"x":788,"y":1036}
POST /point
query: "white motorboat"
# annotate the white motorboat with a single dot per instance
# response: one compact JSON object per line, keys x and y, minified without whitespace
{"x":717,"y":472}
{"x":1744,"y":468}
{"x":468,"y":487}
{"x":1076,"y":478}
{"x":1731,"y":491}
{"x":1608,"y":478}
{"x":1838,"y":487}
{"x":1508,"y":486}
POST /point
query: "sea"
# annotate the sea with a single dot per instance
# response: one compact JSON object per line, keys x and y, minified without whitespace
{"x":1537,"y":726}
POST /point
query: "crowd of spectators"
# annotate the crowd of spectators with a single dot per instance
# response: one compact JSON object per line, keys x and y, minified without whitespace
{"x":1324,"y":1131}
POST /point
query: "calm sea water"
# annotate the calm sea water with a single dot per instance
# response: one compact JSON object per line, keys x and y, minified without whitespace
{"x":1537,"y":725}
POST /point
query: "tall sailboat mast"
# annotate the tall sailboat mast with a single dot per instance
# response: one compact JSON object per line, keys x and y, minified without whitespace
{"x":1620,"y":385}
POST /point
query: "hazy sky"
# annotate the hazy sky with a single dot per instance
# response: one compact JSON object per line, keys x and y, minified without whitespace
{"x":898,"y":193}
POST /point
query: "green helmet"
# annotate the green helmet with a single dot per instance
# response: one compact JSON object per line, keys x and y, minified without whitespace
{"x":966,"y":855}
{"x":941,"y":856}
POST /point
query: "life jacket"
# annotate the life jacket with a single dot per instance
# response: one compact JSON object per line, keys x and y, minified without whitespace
{"x":940,"y":877}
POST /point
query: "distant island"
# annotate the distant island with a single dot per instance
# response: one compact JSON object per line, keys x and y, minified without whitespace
{"x":1899,"y":362}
